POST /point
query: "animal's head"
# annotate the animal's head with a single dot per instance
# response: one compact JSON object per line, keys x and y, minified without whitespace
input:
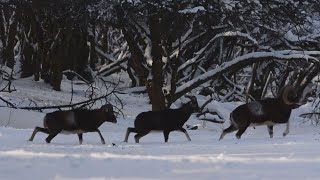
{"x":108,"y":109}
{"x":289,"y":95}
{"x":192,"y":105}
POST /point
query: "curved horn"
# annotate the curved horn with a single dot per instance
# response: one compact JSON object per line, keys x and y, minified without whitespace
{"x":285,"y":92}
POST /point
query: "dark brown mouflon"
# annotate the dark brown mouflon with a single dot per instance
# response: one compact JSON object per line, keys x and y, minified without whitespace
{"x":269,"y":112}
{"x":166,"y":120}
{"x":77,"y":121}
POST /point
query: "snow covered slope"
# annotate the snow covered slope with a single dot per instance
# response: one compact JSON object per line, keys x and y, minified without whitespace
{"x":255,"y":156}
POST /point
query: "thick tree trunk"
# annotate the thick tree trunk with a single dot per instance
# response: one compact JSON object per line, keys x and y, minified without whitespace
{"x":2,"y":37}
{"x":157,"y":100}
{"x":81,"y":49}
{"x":26,"y":60}
{"x":56,"y":68}
{"x":93,"y":56}
{"x":9,"y":49}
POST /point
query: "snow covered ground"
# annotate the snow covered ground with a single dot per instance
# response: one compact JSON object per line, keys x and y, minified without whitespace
{"x":255,"y":156}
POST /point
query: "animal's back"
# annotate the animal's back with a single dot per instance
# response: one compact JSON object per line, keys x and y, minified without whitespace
{"x":157,"y":120}
{"x":275,"y":105}
{"x":60,"y":120}
{"x":258,"y":112}
{"x":72,"y":119}
{"x":87,"y":119}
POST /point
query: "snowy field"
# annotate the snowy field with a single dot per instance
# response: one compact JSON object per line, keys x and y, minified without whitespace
{"x":255,"y":156}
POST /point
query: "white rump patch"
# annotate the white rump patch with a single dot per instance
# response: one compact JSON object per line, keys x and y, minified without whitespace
{"x":256,"y":108}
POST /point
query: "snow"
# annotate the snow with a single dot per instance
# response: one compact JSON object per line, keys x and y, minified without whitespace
{"x":147,"y":55}
{"x":192,"y":10}
{"x":255,"y":156}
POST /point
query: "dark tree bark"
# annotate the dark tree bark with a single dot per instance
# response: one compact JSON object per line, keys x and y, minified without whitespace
{"x":8,"y":51}
{"x":157,"y":100}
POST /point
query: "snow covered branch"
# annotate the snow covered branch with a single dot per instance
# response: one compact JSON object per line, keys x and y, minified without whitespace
{"x":243,"y":61}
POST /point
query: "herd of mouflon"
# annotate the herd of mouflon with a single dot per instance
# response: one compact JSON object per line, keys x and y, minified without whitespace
{"x":269,"y":112}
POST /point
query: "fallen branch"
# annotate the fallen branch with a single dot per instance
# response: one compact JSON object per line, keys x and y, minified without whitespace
{"x":80,"y":104}
{"x":212,"y":120}
{"x":209,"y":112}
{"x":8,"y":103}
{"x":308,"y":114}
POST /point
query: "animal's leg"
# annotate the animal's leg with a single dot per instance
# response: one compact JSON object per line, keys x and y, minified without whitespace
{"x":230,"y":129}
{"x":37,"y":129}
{"x":166,"y":135}
{"x":101,"y":137}
{"x":129,"y":130}
{"x":241,"y":131}
{"x":80,"y":137}
{"x":51,"y":136}
{"x":286,"y":132}
{"x":270,"y":130}
{"x":185,"y":132}
{"x":140,"y":135}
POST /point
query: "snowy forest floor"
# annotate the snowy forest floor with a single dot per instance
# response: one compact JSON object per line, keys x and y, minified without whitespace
{"x":255,"y":156}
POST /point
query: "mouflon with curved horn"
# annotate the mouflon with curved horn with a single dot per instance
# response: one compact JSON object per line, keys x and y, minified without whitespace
{"x":269,"y":112}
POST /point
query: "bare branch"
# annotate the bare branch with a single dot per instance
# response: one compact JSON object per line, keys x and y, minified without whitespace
{"x":242,"y":61}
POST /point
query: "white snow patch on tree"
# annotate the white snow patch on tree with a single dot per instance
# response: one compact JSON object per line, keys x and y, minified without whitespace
{"x":147,"y":55}
{"x":192,"y":10}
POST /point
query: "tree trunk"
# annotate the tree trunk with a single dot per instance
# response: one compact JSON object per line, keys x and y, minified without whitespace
{"x":93,"y":56}
{"x":157,"y":100}
{"x":26,"y":60}
{"x":11,"y":40}
{"x":2,"y":38}
{"x":56,"y":76}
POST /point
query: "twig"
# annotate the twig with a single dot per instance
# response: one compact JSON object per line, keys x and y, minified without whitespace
{"x":83,"y":103}
{"x":308,"y":114}
{"x":78,"y":75}
{"x":8,"y":103}
{"x":207,"y":111}
{"x":212,"y":120}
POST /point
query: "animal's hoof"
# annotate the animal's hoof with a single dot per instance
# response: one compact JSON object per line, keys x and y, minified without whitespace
{"x":284,"y":134}
{"x":136,"y":140}
{"x":220,"y":138}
